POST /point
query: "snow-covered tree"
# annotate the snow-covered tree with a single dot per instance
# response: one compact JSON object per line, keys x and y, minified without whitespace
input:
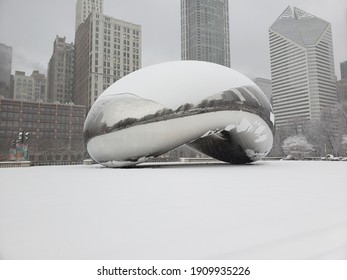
{"x":297,"y":146}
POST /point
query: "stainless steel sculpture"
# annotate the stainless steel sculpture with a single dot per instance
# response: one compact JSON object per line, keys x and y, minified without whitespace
{"x":209,"y":107}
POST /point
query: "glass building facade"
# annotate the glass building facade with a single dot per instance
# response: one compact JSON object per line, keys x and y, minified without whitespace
{"x":205,"y":31}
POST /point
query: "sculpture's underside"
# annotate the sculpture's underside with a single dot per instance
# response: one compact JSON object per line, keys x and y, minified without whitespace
{"x":211,"y":108}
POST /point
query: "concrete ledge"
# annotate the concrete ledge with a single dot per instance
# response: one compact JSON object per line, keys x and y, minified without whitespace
{"x":8,"y":164}
{"x":199,"y":160}
{"x":88,"y":162}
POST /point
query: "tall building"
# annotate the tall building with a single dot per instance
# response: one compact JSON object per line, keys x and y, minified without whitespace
{"x":60,"y":72}
{"x":342,"y":84}
{"x":266,"y":87}
{"x":342,"y":91}
{"x":205,"y":31}
{"x":30,"y":88}
{"x":343,"y":67}
{"x":5,"y":69}
{"x":84,"y":8}
{"x":302,"y":66}
{"x":106,"y":49}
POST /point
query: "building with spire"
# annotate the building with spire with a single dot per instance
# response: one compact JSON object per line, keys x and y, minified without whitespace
{"x":302,"y":66}
{"x":205,"y":31}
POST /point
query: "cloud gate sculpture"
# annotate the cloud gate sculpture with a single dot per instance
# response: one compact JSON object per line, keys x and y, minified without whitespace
{"x":211,"y":108}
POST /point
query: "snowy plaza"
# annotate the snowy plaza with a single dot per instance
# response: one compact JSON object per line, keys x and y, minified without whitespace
{"x":265,"y":210}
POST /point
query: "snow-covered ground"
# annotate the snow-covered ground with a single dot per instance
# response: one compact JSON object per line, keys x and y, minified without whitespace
{"x":267,"y":210}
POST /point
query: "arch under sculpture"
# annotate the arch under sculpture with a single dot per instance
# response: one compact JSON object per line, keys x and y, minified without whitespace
{"x":211,"y":108}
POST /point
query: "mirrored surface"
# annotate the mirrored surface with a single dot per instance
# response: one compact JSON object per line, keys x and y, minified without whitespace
{"x":233,"y":125}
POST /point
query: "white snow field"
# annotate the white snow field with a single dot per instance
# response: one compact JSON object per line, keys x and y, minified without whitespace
{"x":266,"y":210}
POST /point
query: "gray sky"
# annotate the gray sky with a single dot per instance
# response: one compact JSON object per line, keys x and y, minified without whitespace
{"x":30,"y":28}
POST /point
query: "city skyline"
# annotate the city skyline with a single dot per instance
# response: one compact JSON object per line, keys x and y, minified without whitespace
{"x":161,"y":42}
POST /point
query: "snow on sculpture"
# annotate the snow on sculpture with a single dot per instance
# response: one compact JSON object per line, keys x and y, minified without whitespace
{"x":211,"y":108}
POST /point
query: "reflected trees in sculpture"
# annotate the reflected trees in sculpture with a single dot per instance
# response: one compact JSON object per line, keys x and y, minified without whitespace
{"x":211,"y":108}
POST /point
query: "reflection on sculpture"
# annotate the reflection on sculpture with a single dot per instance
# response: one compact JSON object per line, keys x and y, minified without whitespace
{"x":211,"y":108}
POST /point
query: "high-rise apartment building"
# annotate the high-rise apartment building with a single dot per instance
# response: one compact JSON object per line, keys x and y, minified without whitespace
{"x":342,"y":84}
{"x":302,"y":66}
{"x":106,"y":49}
{"x":205,"y":31}
{"x":5,"y":69}
{"x":342,"y":91}
{"x":84,"y":8}
{"x":30,"y":88}
{"x":61,"y":71}
{"x":343,"y":67}
{"x":266,"y":87}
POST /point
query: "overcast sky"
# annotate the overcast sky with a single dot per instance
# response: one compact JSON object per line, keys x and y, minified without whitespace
{"x":30,"y":28}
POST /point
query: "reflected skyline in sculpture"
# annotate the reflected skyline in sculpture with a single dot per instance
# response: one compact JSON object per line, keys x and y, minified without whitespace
{"x":234,"y":125}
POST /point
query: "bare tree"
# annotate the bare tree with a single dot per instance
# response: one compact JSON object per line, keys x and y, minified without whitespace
{"x":297,"y":146}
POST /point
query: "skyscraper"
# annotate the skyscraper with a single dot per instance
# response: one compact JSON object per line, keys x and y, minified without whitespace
{"x":106,"y":49}
{"x":60,"y":72}
{"x":343,"y":67}
{"x":205,"y":31}
{"x":342,"y":84}
{"x":302,"y":66}
{"x":266,"y":86}
{"x":5,"y":69}
{"x":84,"y":8}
